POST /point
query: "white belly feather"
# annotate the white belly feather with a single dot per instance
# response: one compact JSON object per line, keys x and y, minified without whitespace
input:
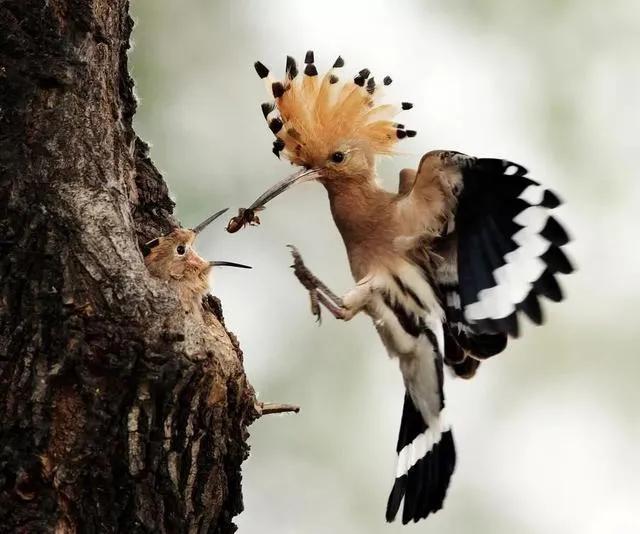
{"x":411,"y":293}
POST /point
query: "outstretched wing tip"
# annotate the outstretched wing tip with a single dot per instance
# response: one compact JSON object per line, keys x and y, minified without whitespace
{"x":509,"y":246}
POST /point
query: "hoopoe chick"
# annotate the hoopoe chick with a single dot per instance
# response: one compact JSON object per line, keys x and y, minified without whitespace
{"x":174,"y":259}
{"x":445,"y":267}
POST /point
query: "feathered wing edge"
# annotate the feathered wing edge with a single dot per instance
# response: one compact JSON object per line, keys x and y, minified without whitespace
{"x":509,"y":246}
{"x":465,"y":346}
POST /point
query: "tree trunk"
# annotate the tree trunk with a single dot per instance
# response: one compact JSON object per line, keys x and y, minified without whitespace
{"x":117,"y":414}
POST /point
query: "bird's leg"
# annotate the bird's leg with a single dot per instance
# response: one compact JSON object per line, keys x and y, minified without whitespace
{"x":308,"y":279}
{"x":318,"y":291}
{"x":337,"y":310}
{"x":315,"y":304}
{"x":341,"y":308}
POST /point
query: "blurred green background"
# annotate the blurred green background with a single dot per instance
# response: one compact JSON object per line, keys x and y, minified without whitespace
{"x":548,"y":432}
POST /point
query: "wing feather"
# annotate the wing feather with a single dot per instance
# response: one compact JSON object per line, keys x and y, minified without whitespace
{"x":508,"y":248}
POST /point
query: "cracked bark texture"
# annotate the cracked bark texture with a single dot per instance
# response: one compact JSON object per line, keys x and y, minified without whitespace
{"x":118,"y":412}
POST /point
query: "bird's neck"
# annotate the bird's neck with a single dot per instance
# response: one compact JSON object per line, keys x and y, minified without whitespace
{"x":362,"y":213}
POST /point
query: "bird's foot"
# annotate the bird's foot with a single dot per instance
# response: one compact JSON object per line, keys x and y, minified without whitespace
{"x":319,"y":293}
{"x":315,"y":305}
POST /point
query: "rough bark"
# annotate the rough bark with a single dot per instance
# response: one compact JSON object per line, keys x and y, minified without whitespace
{"x":118,"y":413}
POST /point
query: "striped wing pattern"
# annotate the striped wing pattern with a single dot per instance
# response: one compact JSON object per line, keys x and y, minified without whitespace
{"x":509,"y":246}
{"x":501,"y":252}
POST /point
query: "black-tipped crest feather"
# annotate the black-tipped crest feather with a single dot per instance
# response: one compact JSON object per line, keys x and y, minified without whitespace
{"x":262,"y":71}
{"x":291,"y":68}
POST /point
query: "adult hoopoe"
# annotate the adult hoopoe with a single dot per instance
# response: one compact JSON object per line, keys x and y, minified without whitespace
{"x":444,"y":267}
{"x":172,"y":258}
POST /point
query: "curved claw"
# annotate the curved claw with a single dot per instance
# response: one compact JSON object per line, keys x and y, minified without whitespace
{"x":319,"y":293}
{"x":300,"y":270}
{"x":315,"y":306}
{"x":297,"y":259}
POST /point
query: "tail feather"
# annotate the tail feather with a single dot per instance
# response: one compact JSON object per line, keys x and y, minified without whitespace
{"x":426,"y":460}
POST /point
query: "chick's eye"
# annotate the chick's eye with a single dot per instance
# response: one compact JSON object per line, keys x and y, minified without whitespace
{"x":180,"y":249}
{"x":337,"y":157}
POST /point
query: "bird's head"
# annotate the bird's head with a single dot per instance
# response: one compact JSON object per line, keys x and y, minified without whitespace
{"x":332,"y":128}
{"x":174,"y":259}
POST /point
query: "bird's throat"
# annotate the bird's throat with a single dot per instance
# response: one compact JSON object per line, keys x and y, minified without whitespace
{"x":362,"y":212}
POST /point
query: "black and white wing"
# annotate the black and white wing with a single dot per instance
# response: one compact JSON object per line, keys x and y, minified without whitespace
{"x":507,"y":252}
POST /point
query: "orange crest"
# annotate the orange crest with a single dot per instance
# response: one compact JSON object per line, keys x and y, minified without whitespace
{"x":312,"y":114}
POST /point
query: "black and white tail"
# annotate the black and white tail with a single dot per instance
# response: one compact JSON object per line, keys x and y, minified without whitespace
{"x":426,"y":460}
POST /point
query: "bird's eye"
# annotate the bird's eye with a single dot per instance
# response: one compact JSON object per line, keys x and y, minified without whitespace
{"x":337,"y":157}
{"x":180,"y":249}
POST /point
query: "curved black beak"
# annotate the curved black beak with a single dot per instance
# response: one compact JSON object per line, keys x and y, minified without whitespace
{"x":196,"y":230}
{"x":229,"y":264}
{"x":303,"y":175}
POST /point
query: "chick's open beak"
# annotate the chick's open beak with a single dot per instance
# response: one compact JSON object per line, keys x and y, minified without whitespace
{"x":228,"y":264}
